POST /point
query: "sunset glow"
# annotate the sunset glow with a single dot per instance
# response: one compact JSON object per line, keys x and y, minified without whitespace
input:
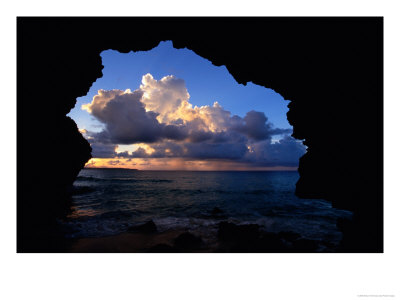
{"x":160,"y":164}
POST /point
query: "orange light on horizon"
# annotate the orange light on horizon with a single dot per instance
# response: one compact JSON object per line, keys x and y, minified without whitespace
{"x":175,"y":164}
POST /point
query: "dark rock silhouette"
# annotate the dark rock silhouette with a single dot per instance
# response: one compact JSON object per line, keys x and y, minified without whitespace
{"x":250,"y":238}
{"x":237,"y":238}
{"x":330,"y":68}
{"x":305,"y":245}
{"x":162,"y":248}
{"x":272,"y":242}
{"x":188,"y":242}
{"x":288,"y":235}
{"x":148,"y":227}
{"x":216,"y":211}
{"x":242,"y":234}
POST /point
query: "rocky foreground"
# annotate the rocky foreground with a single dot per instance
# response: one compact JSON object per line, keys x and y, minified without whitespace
{"x":230,"y":237}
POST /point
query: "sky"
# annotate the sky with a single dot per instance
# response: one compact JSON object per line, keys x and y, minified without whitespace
{"x":170,"y":109}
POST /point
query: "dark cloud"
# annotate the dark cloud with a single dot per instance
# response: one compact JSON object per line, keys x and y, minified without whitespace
{"x":159,"y":115}
{"x":101,"y":150}
{"x":115,"y":162}
{"x":125,"y":118}
{"x":286,"y":152}
{"x":255,"y":126}
{"x":215,"y":151}
{"x":173,"y":132}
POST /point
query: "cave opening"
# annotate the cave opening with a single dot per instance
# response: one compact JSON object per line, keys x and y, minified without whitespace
{"x":169,"y":109}
{"x":193,"y":101}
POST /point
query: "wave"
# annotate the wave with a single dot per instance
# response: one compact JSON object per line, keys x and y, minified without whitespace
{"x":187,"y":191}
{"x":88,"y":178}
{"x":82,"y":189}
{"x":252,"y":192}
{"x":258,"y":192}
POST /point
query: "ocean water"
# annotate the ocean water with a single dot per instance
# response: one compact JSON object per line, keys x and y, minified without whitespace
{"x":108,"y":201}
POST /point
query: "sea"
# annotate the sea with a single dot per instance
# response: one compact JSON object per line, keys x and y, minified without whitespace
{"x":108,"y":201}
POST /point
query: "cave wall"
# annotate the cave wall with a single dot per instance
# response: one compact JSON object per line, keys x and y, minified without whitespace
{"x":329,"y":68}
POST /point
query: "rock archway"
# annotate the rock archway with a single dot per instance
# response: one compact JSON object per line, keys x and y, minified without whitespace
{"x":330,"y":68}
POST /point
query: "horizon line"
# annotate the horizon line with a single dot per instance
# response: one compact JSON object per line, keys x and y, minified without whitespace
{"x":180,"y":170}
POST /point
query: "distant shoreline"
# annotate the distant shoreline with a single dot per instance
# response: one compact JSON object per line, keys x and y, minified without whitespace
{"x":110,"y":169}
{"x":191,"y":170}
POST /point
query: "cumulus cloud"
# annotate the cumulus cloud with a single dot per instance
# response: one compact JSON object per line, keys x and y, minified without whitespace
{"x":159,"y":117}
{"x":255,"y":126}
{"x":124,"y":116}
{"x":168,"y":97}
{"x":286,"y":152}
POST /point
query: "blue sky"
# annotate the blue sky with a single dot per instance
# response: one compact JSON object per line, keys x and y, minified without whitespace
{"x":205,"y":83}
{"x":170,"y":117}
